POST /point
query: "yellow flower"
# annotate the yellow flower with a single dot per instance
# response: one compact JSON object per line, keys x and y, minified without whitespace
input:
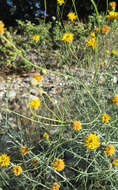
{"x":72,"y":16}
{"x":35,"y":103}
{"x":38,"y":77}
{"x":107,"y":51}
{"x":115,"y":99}
{"x":112,"y":5}
{"x":92,"y":141}
{"x":1,"y":24}
{"x":67,"y":37}
{"x":24,"y":150}
{"x":96,"y":30}
{"x":91,"y":43}
{"x":17,"y":170}
{"x":105,"y":29}
{"x":92,"y":35}
{"x":112,"y":15}
{"x":77,"y":125}
{"x":58,"y":165}
{"x":105,"y":118}
{"x":36,"y":37}
{"x":60,"y":2}
{"x":114,"y":52}
{"x":2,"y":29}
{"x":109,"y":150}
{"x":45,"y":135}
{"x":55,"y":186}
{"x":115,"y":161}
{"x":4,"y":160}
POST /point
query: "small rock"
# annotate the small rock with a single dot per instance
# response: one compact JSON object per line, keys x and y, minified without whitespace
{"x":1,"y":79}
{"x":53,"y":131}
{"x":0,"y":117}
{"x":34,"y":82}
{"x":34,"y":92}
{"x":2,"y":94}
{"x":115,"y":79}
{"x":11,"y":94}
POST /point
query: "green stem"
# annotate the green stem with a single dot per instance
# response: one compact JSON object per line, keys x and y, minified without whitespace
{"x":97,"y":13}
{"x":41,"y":117}
{"x":106,"y":6}
{"x":73,"y":1}
{"x":45,"y":5}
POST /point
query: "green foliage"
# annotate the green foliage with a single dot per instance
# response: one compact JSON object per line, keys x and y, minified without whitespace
{"x":23,"y":41}
{"x":28,"y":29}
{"x":8,"y":54}
{"x":83,"y":90}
